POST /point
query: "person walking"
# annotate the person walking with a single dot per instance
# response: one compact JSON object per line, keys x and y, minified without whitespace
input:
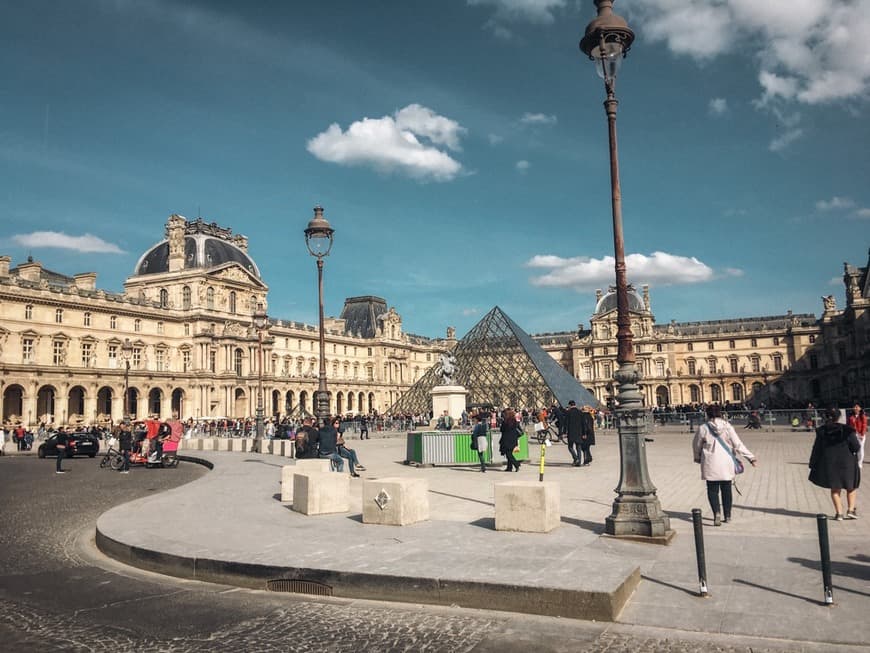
{"x":478,"y":440}
{"x":61,"y":444}
{"x":858,"y":422}
{"x":510,"y":436}
{"x":574,"y":427}
{"x":125,"y":443}
{"x":834,"y":463}
{"x":363,"y":428}
{"x":587,"y":434}
{"x":715,"y":448}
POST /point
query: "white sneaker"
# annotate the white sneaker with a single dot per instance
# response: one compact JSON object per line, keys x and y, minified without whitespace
{"x":852,"y":514}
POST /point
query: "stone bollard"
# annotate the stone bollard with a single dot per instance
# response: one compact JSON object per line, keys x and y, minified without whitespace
{"x":395,"y":501}
{"x":304,"y":465}
{"x":223,"y":444}
{"x":527,"y":506}
{"x":320,"y":493}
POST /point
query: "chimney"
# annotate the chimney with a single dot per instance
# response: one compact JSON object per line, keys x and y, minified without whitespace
{"x":4,"y":265}
{"x":30,"y":271}
{"x":86,"y":280}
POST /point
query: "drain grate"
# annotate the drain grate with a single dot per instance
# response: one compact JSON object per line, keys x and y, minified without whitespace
{"x":299,"y":587}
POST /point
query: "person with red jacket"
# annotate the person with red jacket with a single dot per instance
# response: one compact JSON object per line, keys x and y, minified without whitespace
{"x":858,"y":421}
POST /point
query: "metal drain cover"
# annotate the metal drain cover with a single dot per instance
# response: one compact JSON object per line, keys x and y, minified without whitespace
{"x":299,"y":587}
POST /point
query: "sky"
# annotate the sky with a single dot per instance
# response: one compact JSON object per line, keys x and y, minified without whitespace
{"x":458,"y":147}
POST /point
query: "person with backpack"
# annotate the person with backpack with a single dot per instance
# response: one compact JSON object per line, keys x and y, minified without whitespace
{"x":715,"y":447}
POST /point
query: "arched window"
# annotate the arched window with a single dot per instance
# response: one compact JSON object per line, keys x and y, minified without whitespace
{"x":28,"y":312}
{"x":209,"y":298}
{"x":164,"y":298}
{"x":736,"y":392}
{"x":694,"y":394}
{"x":777,"y":363}
{"x":185,"y":298}
{"x":237,"y":362}
{"x":715,"y":393}
{"x":137,"y":325}
{"x":233,"y":301}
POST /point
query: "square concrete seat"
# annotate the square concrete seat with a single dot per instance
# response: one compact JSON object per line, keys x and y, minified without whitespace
{"x":395,"y":501}
{"x":527,"y":506}
{"x":303,"y":465}
{"x":320,"y":493}
{"x":223,"y":444}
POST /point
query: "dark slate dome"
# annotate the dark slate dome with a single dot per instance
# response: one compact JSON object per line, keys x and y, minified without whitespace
{"x":608,"y":302}
{"x":200,"y":251}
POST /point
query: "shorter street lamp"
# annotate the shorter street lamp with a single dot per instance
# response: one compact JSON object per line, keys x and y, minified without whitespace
{"x":126,"y":355}
{"x":318,"y":239}
{"x":261,"y":323}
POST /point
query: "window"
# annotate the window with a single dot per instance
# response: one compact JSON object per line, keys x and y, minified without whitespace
{"x":185,"y":360}
{"x":28,"y":312}
{"x":695,"y":394}
{"x":137,"y":358}
{"x":27,"y":350}
{"x":812,"y":339}
{"x":345,"y":350}
{"x":137,"y":325}
{"x":776,"y":341}
{"x":370,"y":373}
{"x":345,"y":370}
{"x":87,"y":319}
{"x":733,"y":363}
{"x":160,"y":359}
{"x":604,"y":351}
{"x":659,"y":347}
{"x":334,"y":348}
{"x":691,"y":364}
{"x":736,"y":392}
{"x":710,"y":345}
{"x":160,"y":327}
{"x":185,"y":298}
{"x":777,"y":363}
{"x":233,"y":301}
{"x":164,"y":298}
{"x":299,"y":345}
{"x":428,"y":356}
{"x":186,"y":329}
{"x":711,"y":363}
{"x":87,"y":352}
{"x":58,"y":352}
{"x":237,"y":362}
{"x":660,"y":368}
{"x":113,"y":322}
{"x":607,"y":370}
{"x":753,"y":343}
{"x":212,"y":361}
{"x":209,"y":299}
{"x":298,"y":368}
{"x":587,"y":372}
{"x":113,"y":357}
{"x":58,"y":315}
{"x":814,"y":362}
{"x":756,"y":363}
{"x":690,"y":346}
{"x":731,"y":344}
{"x":311,"y":346}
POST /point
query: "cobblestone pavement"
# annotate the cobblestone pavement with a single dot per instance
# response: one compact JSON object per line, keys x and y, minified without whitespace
{"x":57,"y":593}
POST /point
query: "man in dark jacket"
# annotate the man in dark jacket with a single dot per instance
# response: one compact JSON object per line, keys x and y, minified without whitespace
{"x":587,"y":437}
{"x":574,"y":429}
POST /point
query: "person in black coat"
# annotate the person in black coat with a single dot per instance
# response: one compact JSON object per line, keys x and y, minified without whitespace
{"x":587,"y":437}
{"x":574,"y":429}
{"x":510,"y":437}
{"x":834,"y":462}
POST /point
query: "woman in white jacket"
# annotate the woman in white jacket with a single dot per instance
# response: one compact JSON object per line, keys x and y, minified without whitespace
{"x":717,"y":464}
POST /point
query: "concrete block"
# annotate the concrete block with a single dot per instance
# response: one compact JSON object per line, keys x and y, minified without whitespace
{"x":223,"y":444}
{"x":319,"y":493}
{"x":395,"y":501}
{"x":304,"y":465}
{"x":527,"y":506}
{"x":277,"y":447}
{"x":290,"y":449}
{"x":247,"y":444}
{"x":237,"y":445}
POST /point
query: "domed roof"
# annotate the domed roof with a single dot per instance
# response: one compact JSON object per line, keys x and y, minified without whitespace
{"x":608,"y":302}
{"x":200,"y":251}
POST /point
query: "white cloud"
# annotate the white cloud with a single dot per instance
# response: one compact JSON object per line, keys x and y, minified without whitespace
{"x":809,"y":51}
{"x":533,"y":11}
{"x":863,"y":214}
{"x":495,"y":139}
{"x":538,"y":119}
{"x":522,"y":166}
{"x":393,"y":144}
{"x":59,"y":240}
{"x":835,"y":203}
{"x":470,"y":311}
{"x":583,"y":272}
{"x":718,"y":106}
{"x":782,"y":141}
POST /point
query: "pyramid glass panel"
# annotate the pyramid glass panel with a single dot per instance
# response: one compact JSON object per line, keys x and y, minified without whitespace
{"x":500,"y":365}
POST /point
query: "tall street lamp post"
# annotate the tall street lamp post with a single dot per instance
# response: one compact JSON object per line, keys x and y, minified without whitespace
{"x":637,"y":513}
{"x":126,"y":354}
{"x":261,"y":323}
{"x":318,"y":239}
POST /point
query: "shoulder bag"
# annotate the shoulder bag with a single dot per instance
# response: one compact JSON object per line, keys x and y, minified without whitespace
{"x":738,"y":466}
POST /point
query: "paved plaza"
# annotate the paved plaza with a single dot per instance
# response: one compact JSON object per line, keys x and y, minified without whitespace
{"x":763,"y":571}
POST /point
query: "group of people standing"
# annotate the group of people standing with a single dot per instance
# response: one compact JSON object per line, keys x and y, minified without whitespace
{"x":835,"y":462}
{"x":327,"y":442}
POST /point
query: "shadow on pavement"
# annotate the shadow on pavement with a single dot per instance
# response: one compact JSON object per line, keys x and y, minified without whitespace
{"x":777,"y":511}
{"x":776,"y":591}
{"x":456,"y":496}
{"x":592,"y":526}
{"x":671,"y":585}
{"x":847,"y":569}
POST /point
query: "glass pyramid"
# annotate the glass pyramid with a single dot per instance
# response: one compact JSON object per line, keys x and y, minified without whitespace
{"x":500,"y":365}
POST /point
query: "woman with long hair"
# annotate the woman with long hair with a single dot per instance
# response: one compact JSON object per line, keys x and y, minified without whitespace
{"x":834,"y":463}
{"x":510,"y":437}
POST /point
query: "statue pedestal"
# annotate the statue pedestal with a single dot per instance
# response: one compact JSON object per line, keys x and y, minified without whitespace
{"x":450,"y":398}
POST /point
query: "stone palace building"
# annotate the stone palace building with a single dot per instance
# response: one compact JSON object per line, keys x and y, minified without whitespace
{"x":180,"y":337}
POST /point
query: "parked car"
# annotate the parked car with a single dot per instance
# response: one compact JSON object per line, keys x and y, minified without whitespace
{"x":78,"y":444}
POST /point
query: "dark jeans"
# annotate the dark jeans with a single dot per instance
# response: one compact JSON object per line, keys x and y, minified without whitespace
{"x":337,"y":462}
{"x":574,"y":450}
{"x":350,"y":454}
{"x":61,"y":454}
{"x":480,"y":457}
{"x":364,"y":433}
{"x":587,"y":455}
{"x":511,"y":461}
{"x":713,"y":489}
{"x":125,"y":453}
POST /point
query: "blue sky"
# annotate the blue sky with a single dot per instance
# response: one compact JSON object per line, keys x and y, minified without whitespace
{"x":459,"y":149}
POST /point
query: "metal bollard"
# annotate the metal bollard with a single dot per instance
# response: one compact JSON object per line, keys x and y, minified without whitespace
{"x":699,"y":551}
{"x":825,"y":555}
{"x":544,"y":446}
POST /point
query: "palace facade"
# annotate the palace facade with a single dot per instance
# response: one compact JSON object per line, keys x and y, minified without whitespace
{"x":180,"y":337}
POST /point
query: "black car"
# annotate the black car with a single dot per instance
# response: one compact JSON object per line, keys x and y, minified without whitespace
{"x":78,"y":444}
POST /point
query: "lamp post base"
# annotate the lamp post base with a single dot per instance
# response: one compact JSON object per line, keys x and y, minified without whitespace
{"x":640,"y":519}
{"x":258,"y":434}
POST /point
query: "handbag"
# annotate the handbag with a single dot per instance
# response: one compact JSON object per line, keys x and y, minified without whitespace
{"x":738,"y":466}
{"x":539,"y":426}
